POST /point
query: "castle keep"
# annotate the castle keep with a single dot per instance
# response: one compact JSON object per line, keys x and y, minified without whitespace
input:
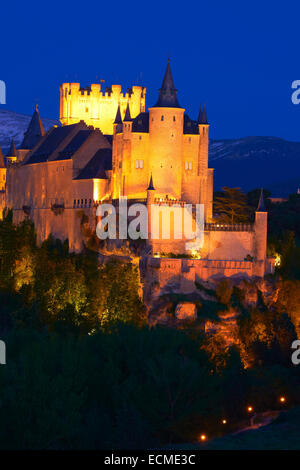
{"x":110,"y":146}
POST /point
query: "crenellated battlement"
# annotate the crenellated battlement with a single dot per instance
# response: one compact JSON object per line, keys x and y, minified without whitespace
{"x":98,"y":107}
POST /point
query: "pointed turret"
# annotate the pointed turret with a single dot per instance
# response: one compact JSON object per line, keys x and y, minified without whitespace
{"x":12,"y":151}
{"x":167,"y":97}
{"x":34,"y":131}
{"x":2,"y":165}
{"x":203,"y":118}
{"x":118,"y":119}
{"x":127,"y":116}
{"x":151,"y":187}
{"x":261,"y":205}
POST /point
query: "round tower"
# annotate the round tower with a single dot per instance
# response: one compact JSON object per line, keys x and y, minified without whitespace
{"x":166,"y":139}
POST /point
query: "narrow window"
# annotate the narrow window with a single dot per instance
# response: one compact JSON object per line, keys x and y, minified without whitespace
{"x":141,"y":163}
{"x":136,"y":164}
{"x":190,"y":165}
{"x":162,"y":118}
{"x":186,"y":165}
{"x":174,"y":118}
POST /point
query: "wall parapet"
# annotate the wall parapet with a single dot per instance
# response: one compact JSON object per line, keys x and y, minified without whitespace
{"x":214,"y":227}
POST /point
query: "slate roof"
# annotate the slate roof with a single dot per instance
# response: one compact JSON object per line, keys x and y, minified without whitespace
{"x":97,"y":166}
{"x":12,"y":151}
{"x":141,"y":123}
{"x":261,"y":204}
{"x":54,"y":138}
{"x":118,"y":119}
{"x":34,"y":132}
{"x":74,"y":145}
{"x":151,"y":187}
{"x":189,"y":126}
{"x":167,"y":96}
{"x":203,"y":118}
{"x":127,"y":116}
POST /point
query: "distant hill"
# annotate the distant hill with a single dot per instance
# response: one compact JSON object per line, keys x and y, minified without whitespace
{"x":249,"y":162}
{"x":253,"y":162}
{"x":14,"y":125}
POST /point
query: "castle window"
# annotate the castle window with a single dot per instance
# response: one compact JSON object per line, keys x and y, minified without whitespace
{"x":140,"y":137}
{"x":136,"y":164}
{"x":190,"y":140}
{"x":141,"y":163}
{"x":162,"y":118}
{"x":86,"y":110}
{"x":85,"y":201}
{"x":74,"y":202}
{"x":174,"y":118}
{"x":188,"y":165}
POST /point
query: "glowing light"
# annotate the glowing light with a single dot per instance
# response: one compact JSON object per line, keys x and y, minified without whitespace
{"x":195,"y":254}
{"x":203,"y":437}
{"x":224,"y":421}
{"x":282,"y":399}
{"x":277,"y":260}
{"x":250,"y":408}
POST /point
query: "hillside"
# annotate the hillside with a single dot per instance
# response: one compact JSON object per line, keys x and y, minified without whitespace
{"x":253,"y":162}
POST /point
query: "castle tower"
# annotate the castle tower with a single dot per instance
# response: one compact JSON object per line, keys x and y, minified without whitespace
{"x":166,"y":139}
{"x":12,"y":154}
{"x":205,"y":193}
{"x":118,"y":122}
{"x":127,"y":121}
{"x":34,"y":132}
{"x":260,"y":241}
{"x":150,"y":202}
{"x":2,"y":172}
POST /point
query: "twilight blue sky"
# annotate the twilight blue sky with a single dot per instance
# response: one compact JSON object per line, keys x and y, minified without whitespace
{"x":240,"y":58}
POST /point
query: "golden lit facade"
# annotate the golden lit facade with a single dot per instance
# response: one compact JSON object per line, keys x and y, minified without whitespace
{"x":97,"y":108}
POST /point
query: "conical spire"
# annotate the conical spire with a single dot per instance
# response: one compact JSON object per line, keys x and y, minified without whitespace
{"x":34,"y":131}
{"x":151,"y":187}
{"x":261,"y":204}
{"x":167,"y":97}
{"x":203,"y":118}
{"x":118,"y":119}
{"x":127,"y":116}
{"x":2,"y":165}
{"x":12,"y":151}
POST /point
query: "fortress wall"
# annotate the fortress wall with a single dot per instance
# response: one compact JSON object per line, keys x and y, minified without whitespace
{"x":227,"y":245}
{"x":161,"y":275}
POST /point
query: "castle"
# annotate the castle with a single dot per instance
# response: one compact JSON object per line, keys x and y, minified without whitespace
{"x":109,"y":146}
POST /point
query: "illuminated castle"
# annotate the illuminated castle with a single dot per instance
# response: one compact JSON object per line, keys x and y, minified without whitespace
{"x":96,"y":108}
{"x":110,"y":146}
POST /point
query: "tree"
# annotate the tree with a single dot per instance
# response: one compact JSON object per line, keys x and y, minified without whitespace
{"x":230,"y":206}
